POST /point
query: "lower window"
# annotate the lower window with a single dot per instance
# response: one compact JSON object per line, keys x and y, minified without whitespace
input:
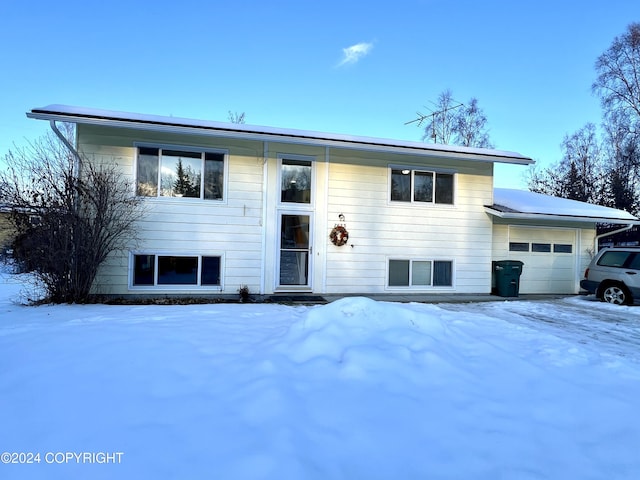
{"x":154,"y":270}
{"x":420,"y":273}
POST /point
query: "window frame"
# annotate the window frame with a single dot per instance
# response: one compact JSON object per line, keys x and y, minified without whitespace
{"x":187,"y":149}
{"x":412,"y":170}
{"x":297,"y":158}
{"x":410,"y":286}
{"x":156,"y":286}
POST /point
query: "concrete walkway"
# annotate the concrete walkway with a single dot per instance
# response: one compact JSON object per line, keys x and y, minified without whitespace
{"x":408,"y":298}
{"x":445,"y":298}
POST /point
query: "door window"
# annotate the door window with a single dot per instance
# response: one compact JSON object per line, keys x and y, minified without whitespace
{"x":295,"y":249}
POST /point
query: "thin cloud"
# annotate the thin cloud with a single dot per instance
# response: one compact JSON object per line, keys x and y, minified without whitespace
{"x":354,"y":53}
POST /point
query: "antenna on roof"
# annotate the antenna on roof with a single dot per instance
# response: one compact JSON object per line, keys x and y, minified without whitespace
{"x":422,"y":117}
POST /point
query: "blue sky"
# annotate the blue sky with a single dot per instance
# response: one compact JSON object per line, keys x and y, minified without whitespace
{"x":362,"y":68}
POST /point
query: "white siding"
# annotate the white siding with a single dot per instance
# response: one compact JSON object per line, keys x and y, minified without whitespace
{"x":231,"y":228}
{"x":243,"y":228}
{"x":380,"y":230}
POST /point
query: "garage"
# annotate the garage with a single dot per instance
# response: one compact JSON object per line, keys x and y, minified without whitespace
{"x":545,"y":250}
{"x":554,"y":237}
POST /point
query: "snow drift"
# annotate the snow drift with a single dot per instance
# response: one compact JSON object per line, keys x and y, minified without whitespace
{"x":352,"y":389}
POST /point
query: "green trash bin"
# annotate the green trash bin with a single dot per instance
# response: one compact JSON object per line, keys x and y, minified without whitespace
{"x":506,"y":274}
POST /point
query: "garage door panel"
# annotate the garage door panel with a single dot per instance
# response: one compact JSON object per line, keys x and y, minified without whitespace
{"x":546,"y":270}
{"x":542,"y":235}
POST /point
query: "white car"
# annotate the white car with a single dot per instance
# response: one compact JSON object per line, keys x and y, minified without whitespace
{"x":614,"y":275}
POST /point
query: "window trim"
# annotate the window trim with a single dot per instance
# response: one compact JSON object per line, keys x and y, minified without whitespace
{"x":299,"y":158}
{"x":416,"y":168}
{"x":410,"y":287}
{"x":157,"y":287}
{"x":185,"y":148}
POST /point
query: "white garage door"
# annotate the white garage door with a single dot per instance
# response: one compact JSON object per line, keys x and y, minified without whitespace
{"x":549,"y":256}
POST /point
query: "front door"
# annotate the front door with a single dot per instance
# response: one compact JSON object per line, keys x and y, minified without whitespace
{"x":295,"y":251}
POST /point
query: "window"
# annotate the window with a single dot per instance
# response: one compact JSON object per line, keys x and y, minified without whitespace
{"x":635,"y":262}
{"x":295,"y":186}
{"x":177,"y":270}
{"x":421,"y":186}
{"x":420,"y":273}
{"x":154,"y":270}
{"x":518,"y":247}
{"x":614,"y":259}
{"x":399,"y":273}
{"x":163,"y":172}
{"x":541,"y":247}
{"x":144,"y":270}
{"x":562,"y":248}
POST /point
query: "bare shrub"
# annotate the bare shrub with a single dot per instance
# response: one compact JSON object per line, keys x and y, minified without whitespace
{"x":70,"y":214}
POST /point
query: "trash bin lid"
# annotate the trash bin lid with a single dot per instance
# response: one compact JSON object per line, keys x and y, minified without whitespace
{"x":509,"y":263}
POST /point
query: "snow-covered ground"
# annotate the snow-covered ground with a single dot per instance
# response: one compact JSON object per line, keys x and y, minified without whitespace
{"x":355,"y":389}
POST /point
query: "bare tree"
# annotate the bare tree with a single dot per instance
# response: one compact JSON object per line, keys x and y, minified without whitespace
{"x":579,"y":175}
{"x":455,"y":123}
{"x":582,"y":165}
{"x":618,"y":86}
{"x":70,"y":214}
{"x":622,"y":164}
{"x":604,"y":171}
{"x":441,"y":123}
{"x":235,"y":117}
{"x":618,"y":81}
{"x":471,"y":126}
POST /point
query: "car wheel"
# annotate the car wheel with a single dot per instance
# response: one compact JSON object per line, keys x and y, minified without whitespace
{"x":616,"y":294}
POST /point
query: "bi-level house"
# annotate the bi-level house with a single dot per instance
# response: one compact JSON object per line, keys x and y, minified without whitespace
{"x":282,"y":210}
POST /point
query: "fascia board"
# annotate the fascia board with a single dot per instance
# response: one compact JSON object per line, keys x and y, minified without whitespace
{"x":563,"y":218}
{"x":301,"y":137}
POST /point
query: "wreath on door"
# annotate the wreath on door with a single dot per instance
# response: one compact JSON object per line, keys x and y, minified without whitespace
{"x":339,"y":235}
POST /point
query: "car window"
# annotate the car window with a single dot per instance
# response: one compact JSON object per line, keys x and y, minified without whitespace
{"x":635,"y":262}
{"x":613,"y":259}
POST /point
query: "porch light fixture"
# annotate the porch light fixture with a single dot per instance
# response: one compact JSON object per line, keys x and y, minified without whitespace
{"x":406,"y":172}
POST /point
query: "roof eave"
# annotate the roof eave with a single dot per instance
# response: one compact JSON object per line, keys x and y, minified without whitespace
{"x":562,"y":218}
{"x":301,"y":137}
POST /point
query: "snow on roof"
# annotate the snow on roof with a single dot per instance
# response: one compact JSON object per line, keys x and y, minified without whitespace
{"x":514,"y":202}
{"x":92,"y":115}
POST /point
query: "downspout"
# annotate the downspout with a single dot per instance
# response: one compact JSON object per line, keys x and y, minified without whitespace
{"x":602,"y":235}
{"x":265,"y":174}
{"x":76,"y":168}
{"x":67,"y":144}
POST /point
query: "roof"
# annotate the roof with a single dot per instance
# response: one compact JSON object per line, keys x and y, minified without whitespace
{"x":83,"y":115}
{"x":525,"y":205}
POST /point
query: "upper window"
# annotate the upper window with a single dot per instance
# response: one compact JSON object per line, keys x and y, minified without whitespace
{"x":421,"y":186}
{"x":179,"y":173}
{"x":295,"y":183}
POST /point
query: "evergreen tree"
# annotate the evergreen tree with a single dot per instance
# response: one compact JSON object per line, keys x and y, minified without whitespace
{"x":184,"y":186}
